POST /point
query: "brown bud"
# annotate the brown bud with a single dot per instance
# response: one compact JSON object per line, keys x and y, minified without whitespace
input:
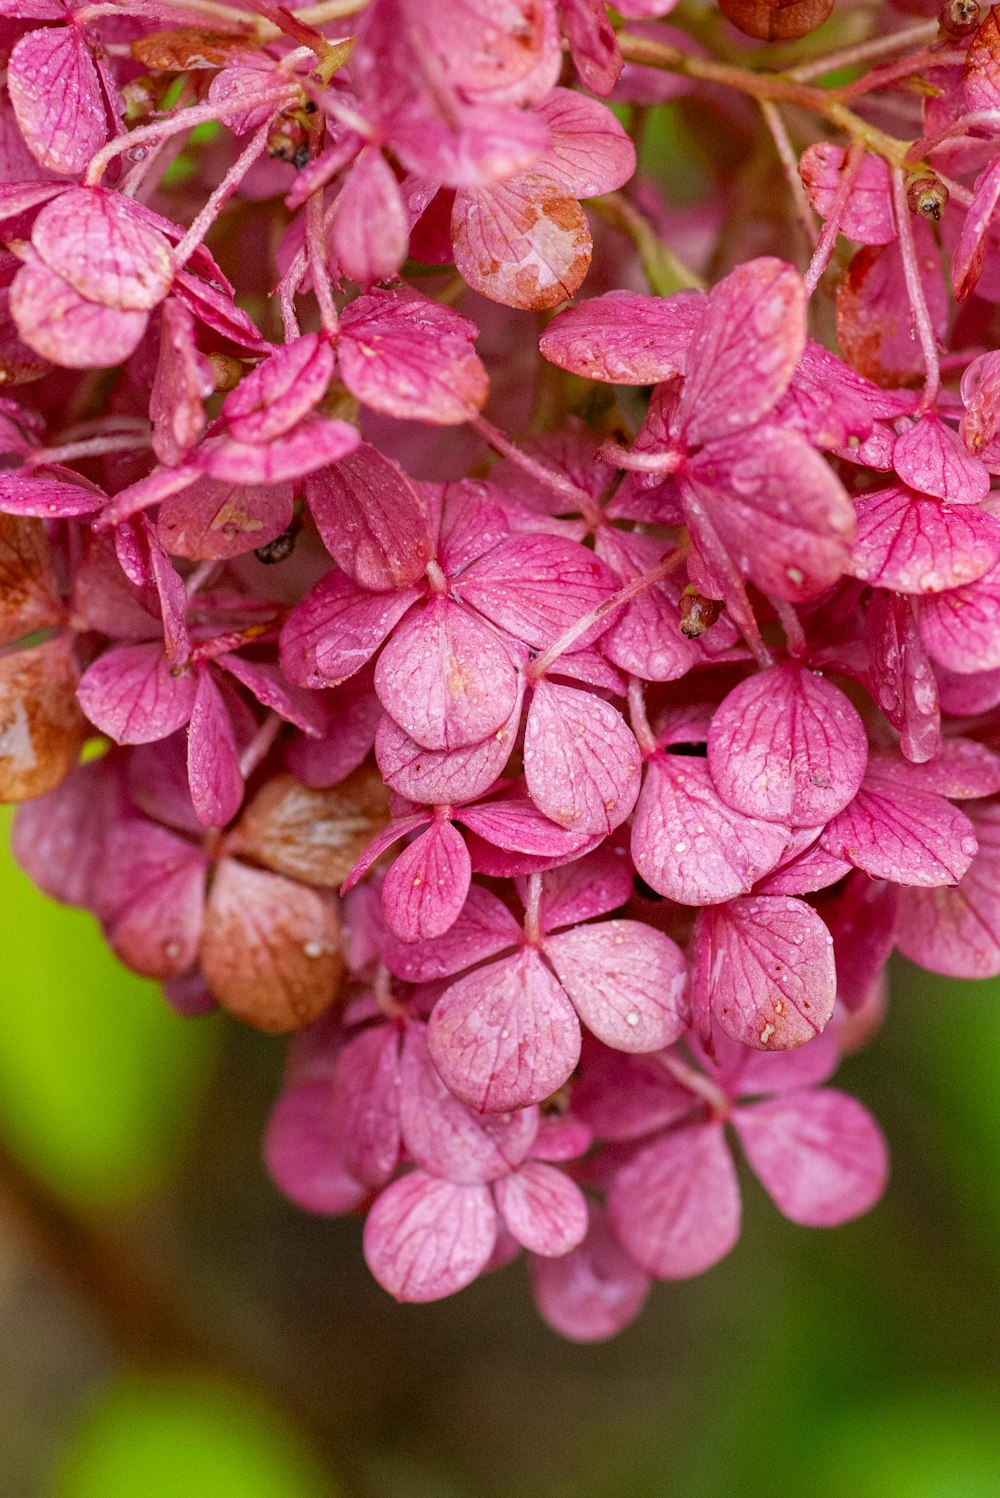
{"x":697,"y":613}
{"x":776,"y":20}
{"x":959,"y":18}
{"x":188,"y":49}
{"x":227,"y":372}
{"x":287,"y":141}
{"x":927,"y":196}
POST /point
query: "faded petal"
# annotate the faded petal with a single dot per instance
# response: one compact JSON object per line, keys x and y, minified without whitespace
{"x":425,"y":1239}
{"x":524,"y":242}
{"x":543,"y":1208}
{"x":315,"y":836}
{"x":627,"y":982}
{"x":592,"y":1293}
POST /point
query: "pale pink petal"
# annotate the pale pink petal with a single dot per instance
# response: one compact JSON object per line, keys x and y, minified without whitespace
{"x":270,"y":687}
{"x":369,"y":230}
{"x":447,"y":1138}
{"x":592,"y":1293}
{"x":311,"y":444}
{"x":916,"y":545}
{"x":624,"y":338}
{"x":424,"y":891}
{"x":444,"y":776}
{"x":773,"y":1073}
{"x":518,"y":826}
{"x":535,"y":586}
{"x":788,"y":746}
{"x":58,"y":838}
{"x":543,"y":1208}
{"x":902,"y":834}
{"x":627,"y":982}
{"x":961,"y":626}
{"x":581,"y":762}
{"x":59,"y":324}
{"x":131,"y":694}
{"x":957,"y":931}
{"x":270,"y":400}
{"x":589,"y":886}
{"x":336,"y":628}
{"x":592,"y":43}
{"x":505,"y":1035}
{"x":371,"y":519}
{"x":746,"y":349}
{"x":675,"y":1206}
{"x":763,"y":968}
{"x":625,"y":1096}
{"x":57,"y":98}
{"x":213,"y":761}
{"x":524,"y":242}
{"x":484,"y":928}
{"x":932,"y":458}
{"x":963,"y":770}
{"x":900,"y":677}
{"x":301,"y":1152}
{"x":425,"y":1239}
{"x":689,"y":845}
{"x":589,"y":152}
{"x":364,"y":1104}
{"x":446,"y":678}
{"x":405,"y":355}
{"x":106,"y":247}
{"x":820,"y":1155}
{"x":868,"y":216}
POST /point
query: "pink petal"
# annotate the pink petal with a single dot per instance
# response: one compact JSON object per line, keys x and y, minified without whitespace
{"x":271,"y":689}
{"x":473,"y":521}
{"x":861,"y":918}
{"x":581,"y":762}
{"x":364,"y":1104}
{"x":505,"y":1035}
{"x":744,"y":354}
{"x":152,"y":897}
{"x":961,"y":626}
{"x":827,"y":402}
{"x":868,"y":216}
{"x":689,"y":845}
{"x":213,"y":762}
{"x":523,"y":242}
{"x":447,"y":1138}
{"x":592,"y":43}
{"x":588,"y":152}
{"x":182,"y":381}
{"x":425,"y":889}
{"x":535,"y":586}
{"x":58,"y":838}
{"x":957,"y":931}
{"x":211,"y":520}
{"x":627,"y":982}
{"x":406,"y":356}
{"x":49,"y":499}
{"x":57,"y":98}
{"x":963,"y":770}
{"x":371,"y":520}
{"x":875,"y":328}
{"x":592,"y":1293}
{"x":805,"y":868}
{"x":443,"y":776}
{"x":214,"y":306}
{"x":543,"y":1208}
{"x":446,"y":678}
{"x":820,"y":1156}
{"x":624,"y":1096}
{"x":104,"y":245}
{"x":788,"y":746}
{"x":369,"y":231}
{"x":519,"y":827}
{"x":301,"y":1152}
{"x":276,"y":395}
{"x":336,"y":628}
{"x":970,"y":252}
{"x":484,"y":928}
{"x":900,"y":677}
{"x":767,"y":1073}
{"x":131,"y":694}
{"x":314,"y":442}
{"x":902,"y":834}
{"x":932,"y":458}
{"x":584,"y":888}
{"x":64,"y":328}
{"x":350,"y":716}
{"x":676,"y":1205}
{"x":763,"y":967}
{"x":623,"y":338}
{"x":916,"y":545}
{"x":425,"y":1239}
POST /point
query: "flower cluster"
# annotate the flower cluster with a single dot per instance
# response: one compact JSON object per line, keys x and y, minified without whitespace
{"x":566,"y":791}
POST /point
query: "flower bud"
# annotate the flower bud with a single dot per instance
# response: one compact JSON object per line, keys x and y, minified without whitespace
{"x":959,"y":18}
{"x":927,"y":195}
{"x":697,"y":613}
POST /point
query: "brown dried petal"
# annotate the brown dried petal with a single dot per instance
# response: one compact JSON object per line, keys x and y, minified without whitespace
{"x":41,"y":726}
{"x":188,"y":48}
{"x":776,"y":20}
{"x":271,"y":948}
{"x":27,"y":598}
{"x":313,"y":835}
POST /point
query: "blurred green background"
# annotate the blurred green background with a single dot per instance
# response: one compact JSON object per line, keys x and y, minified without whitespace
{"x":171,"y":1328}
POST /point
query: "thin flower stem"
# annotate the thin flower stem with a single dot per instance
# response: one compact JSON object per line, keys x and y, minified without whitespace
{"x":831,"y":228}
{"x":639,"y":722}
{"x":230,"y":182}
{"x":788,"y":157}
{"x":532,"y":911}
{"x":90,"y":447}
{"x":578,"y":499}
{"x":155,"y":133}
{"x":915,"y":292}
{"x":920,"y":35}
{"x":316,"y":254}
{"x":664,"y":271}
{"x":795,"y":637}
{"x":696,"y":1082}
{"x":259,"y":745}
{"x":905,"y":68}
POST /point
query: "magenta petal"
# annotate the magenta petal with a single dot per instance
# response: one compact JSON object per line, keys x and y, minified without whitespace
{"x":592,"y":43}
{"x":301,"y":1151}
{"x":484,"y":928}
{"x":689,"y":845}
{"x":364,"y":1104}
{"x":369,"y":229}
{"x":868,"y":216}
{"x":581,"y":761}
{"x":970,"y":251}
{"x":64,"y":328}
{"x":182,"y":381}
{"x":932,"y":458}
{"x":58,"y":838}
{"x":446,"y":678}
{"x":311,"y":444}
{"x":820,"y":1155}
{"x":106,"y":247}
{"x":957,"y":931}
{"x":211,"y":520}
{"x":405,"y":355}
{"x":505,"y":1035}
{"x":132,"y":695}
{"x":900,"y":677}
{"x":592,"y":1293}
{"x":447,"y":1138}
{"x":371,"y":519}
{"x":898,"y":833}
{"x":152,"y":896}
{"x":675,"y":1205}
{"x":444,"y":776}
{"x":56,"y":93}
{"x":763,"y":967}
{"x":787,"y":746}
{"x":276,"y":395}
{"x":543,"y":1208}
{"x":961,"y":626}
{"x":518,"y":826}
{"x":336,"y":628}
{"x":535,"y":586}
{"x":213,"y":762}
{"x":589,"y":886}
{"x":268,"y":684}
{"x":624,"y":338}
{"x":49,"y":499}
{"x":425,"y":889}
{"x":746,"y":349}
{"x":589,"y":152}
{"x":916,"y":545}
{"x":627,"y":982}
{"x":425,"y":1239}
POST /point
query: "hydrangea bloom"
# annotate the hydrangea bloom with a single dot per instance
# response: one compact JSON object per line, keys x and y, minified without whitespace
{"x":570,"y":805}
